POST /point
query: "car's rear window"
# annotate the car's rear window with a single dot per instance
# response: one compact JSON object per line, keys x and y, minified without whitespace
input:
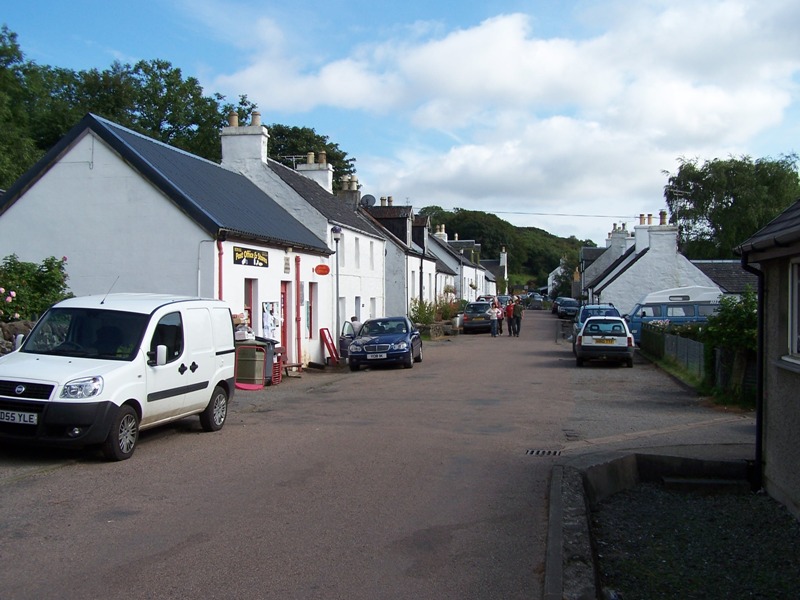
{"x":477,"y":307}
{"x":604,"y":327}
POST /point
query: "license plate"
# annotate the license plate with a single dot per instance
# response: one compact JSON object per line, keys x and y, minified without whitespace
{"x":477,"y":318}
{"x":23,"y":418}
{"x":602,"y":341}
{"x":376,"y":355}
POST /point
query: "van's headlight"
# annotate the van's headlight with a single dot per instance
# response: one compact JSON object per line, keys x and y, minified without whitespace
{"x":86,"y":387}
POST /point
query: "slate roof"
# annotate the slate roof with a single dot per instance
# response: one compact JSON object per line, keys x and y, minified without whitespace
{"x":332,"y":207}
{"x":729,"y":275}
{"x":217,"y":199}
{"x":781,"y":231}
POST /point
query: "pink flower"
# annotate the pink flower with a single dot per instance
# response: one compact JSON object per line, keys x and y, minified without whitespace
{"x":2,"y":290}
{"x":16,"y":315}
{"x":12,"y":294}
{"x":9,"y":298}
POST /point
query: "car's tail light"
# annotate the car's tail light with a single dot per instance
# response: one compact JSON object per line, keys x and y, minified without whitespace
{"x":579,"y":341}
{"x":630,"y":341}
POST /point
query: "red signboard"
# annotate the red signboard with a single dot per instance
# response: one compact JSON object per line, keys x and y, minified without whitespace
{"x":322,"y":269}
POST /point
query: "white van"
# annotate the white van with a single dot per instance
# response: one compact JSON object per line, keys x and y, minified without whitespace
{"x":690,"y":304}
{"x":97,"y":369}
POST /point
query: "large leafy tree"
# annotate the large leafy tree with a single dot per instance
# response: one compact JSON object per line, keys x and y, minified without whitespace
{"x":39,"y":104}
{"x":720,"y":203}
{"x":18,"y":149}
{"x":288,"y":144}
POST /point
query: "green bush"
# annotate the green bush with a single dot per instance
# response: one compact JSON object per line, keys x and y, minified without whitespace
{"x":35,"y":287}
{"x":422,"y":312}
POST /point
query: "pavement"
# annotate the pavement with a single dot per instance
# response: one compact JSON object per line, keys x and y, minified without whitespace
{"x":718,"y":453}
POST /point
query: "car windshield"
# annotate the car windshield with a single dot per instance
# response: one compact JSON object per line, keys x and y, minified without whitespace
{"x":87,"y":332}
{"x":599,"y":326}
{"x":569,"y":302}
{"x":382,"y":326}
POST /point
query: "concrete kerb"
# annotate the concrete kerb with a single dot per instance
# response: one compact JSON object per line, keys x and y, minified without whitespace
{"x":579,"y":485}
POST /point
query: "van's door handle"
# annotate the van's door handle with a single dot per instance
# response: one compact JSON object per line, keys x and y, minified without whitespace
{"x":182,"y":369}
{"x":194,"y":367}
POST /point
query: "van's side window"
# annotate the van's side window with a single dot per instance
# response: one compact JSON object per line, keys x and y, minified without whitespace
{"x":680,"y":310}
{"x":169,"y":333}
{"x":651,"y":311}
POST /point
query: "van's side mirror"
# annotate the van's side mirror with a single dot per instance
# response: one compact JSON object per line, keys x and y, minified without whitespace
{"x":18,"y":340}
{"x":157,"y":358}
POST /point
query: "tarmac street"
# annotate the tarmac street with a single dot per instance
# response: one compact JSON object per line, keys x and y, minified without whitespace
{"x":426,"y":483}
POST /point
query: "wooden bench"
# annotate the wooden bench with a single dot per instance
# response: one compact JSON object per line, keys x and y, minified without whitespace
{"x":287,"y":366}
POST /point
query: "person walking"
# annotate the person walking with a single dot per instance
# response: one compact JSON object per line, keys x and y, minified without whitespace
{"x":509,"y":312}
{"x":517,"y":312}
{"x":494,"y":314}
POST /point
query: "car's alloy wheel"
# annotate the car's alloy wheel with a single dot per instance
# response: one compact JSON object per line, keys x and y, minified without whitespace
{"x":121,"y":440}
{"x":213,"y":417}
{"x":419,"y":355}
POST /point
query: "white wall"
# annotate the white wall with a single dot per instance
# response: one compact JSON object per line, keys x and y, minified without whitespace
{"x":662,"y":267}
{"x":111,"y":224}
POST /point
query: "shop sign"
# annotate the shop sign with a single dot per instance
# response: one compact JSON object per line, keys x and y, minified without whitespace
{"x":250,"y":257}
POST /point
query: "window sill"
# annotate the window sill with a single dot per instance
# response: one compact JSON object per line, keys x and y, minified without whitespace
{"x":788,"y":362}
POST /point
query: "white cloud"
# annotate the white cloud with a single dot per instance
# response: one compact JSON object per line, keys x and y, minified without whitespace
{"x":583,"y":125}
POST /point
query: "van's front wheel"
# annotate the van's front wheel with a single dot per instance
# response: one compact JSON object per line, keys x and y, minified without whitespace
{"x":121,"y":440}
{"x":213,"y":417}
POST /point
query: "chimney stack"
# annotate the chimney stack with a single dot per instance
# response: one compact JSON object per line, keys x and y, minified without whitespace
{"x":390,"y":200}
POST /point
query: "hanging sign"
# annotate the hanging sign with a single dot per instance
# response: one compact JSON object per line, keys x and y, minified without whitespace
{"x":250,"y":256}
{"x":322,"y":269}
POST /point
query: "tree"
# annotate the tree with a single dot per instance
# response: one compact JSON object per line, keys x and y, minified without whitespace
{"x":18,"y":149}
{"x":287,"y":143}
{"x":719,"y":204}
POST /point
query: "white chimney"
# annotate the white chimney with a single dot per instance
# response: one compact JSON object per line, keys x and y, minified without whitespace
{"x":390,"y":200}
{"x":321,"y":171}
{"x":244,"y":147}
{"x":441,"y":233}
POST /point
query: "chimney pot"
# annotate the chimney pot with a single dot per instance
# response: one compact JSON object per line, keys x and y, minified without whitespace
{"x":390,"y":200}
{"x":383,"y":200}
{"x":641,"y":218}
{"x":233,"y":119}
{"x":323,"y":157}
{"x":256,"y":118}
{"x":310,"y":158}
{"x":662,"y":217}
{"x":649,"y":218}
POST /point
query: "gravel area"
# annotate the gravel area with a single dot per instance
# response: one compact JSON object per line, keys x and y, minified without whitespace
{"x":654,"y":543}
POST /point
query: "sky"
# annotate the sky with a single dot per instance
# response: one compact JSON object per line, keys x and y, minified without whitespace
{"x":566,"y":115}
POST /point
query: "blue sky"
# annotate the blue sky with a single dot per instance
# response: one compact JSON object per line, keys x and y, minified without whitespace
{"x":558,"y":114}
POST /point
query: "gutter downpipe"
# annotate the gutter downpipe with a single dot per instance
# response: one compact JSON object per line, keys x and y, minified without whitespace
{"x":219,"y":268}
{"x":297,"y":316}
{"x":757,"y":483}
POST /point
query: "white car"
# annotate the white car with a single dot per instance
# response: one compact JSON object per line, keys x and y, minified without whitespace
{"x":606,"y":339}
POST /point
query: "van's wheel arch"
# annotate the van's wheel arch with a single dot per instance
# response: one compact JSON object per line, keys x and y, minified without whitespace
{"x":215,"y":414}
{"x":123,"y":435}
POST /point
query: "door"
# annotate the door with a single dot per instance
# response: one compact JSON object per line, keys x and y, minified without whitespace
{"x":166,"y":388}
{"x":199,"y":358}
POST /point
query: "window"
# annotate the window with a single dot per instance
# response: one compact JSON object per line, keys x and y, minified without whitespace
{"x":169,"y":333}
{"x":680,"y":310}
{"x":372,"y":255}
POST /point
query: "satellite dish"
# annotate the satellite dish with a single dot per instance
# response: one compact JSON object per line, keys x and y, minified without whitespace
{"x":368,"y":200}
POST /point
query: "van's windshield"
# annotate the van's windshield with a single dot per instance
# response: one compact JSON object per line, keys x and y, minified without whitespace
{"x":87,"y":333}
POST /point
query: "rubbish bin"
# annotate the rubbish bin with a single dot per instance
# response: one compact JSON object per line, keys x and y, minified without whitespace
{"x":252,"y":360}
{"x":272,"y":371}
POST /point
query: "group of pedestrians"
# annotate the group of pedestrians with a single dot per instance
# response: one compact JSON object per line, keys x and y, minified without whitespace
{"x":512,"y":313}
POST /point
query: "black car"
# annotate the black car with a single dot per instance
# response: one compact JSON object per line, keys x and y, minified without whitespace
{"x":568,"y":308}
{"x":385,"y":341}
{"x":476,"y":317}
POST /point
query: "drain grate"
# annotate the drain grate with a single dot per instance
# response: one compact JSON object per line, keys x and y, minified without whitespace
{"x":543,"y":452}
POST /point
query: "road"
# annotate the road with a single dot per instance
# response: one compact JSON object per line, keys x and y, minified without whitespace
{"x":425,"y":483}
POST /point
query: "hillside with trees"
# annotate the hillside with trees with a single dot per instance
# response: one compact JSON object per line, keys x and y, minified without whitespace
{"x":532,"y":252}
